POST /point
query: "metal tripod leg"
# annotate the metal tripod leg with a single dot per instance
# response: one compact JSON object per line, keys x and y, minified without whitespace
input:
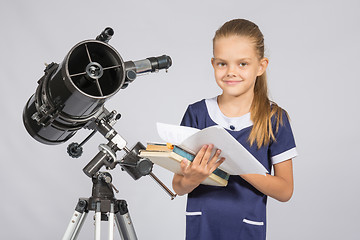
{"x":77,"y":220}
{"x":124,"y":223}
{"x":118,"y":211}
{"x":111,"y":222}
{"x":98,"y":221}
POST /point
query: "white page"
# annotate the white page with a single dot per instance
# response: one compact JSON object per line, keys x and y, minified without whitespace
{"x":174,"y":134}
{"x":237,"y":159}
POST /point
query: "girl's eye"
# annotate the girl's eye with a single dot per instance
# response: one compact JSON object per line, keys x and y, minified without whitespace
{"x":221,"y":64}
{"x":243,"y":64}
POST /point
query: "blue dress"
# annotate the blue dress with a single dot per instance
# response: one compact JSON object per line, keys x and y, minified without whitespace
{"x":237,"y":211}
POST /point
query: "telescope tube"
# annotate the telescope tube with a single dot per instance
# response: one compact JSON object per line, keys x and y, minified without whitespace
{"x":69,"y":95}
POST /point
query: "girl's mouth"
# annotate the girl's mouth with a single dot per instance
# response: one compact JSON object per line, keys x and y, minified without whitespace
{"x":233,"y":82}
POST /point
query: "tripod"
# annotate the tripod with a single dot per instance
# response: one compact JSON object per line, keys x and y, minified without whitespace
{"x":106,"y":207}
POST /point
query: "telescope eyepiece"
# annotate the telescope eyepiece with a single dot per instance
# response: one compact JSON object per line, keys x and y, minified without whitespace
{"x":161,"y":62}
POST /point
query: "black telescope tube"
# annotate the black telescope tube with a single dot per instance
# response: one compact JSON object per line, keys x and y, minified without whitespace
{"x":66,"y":98}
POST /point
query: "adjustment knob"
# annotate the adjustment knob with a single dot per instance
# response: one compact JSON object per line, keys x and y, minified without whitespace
{"x":74,"y":150}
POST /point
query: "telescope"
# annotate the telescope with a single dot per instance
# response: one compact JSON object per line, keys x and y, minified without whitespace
{"x":70,"y":96}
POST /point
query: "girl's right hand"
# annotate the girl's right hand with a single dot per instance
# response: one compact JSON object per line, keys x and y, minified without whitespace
{"x":202,"y":166}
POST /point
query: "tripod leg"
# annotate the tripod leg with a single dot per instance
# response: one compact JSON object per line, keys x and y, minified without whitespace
{"x":98,"y":221}
{"x":76,"y":221}
{"x":111,"y":222}
{"x":124,"y":223}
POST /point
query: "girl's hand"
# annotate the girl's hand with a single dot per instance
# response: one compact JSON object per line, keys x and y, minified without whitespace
{"x":202,"y":166}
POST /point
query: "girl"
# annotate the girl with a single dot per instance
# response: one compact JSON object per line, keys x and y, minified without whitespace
{"x":237,"y":211}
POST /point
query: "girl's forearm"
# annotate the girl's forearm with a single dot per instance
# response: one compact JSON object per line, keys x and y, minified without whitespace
{"x":280,"y":186}
{"x":273,"y":186}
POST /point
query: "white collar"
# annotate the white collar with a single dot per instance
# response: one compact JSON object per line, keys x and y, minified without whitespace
{"x":230,"y":123}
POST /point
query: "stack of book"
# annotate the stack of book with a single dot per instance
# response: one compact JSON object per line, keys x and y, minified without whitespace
{"x":170,"y":156}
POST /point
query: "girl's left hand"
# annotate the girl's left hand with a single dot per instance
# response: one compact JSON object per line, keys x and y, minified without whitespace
{"x":195,"y":172}
{"x":202,"y":166}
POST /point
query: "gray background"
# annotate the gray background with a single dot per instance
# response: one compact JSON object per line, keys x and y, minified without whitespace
{"x":313,"y":47}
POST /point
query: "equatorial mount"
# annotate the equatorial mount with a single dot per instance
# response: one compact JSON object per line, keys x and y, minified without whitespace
{"x":135,"y":166}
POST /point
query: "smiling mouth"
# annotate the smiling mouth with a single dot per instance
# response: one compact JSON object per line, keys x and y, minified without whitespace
{"x":233,"y":82}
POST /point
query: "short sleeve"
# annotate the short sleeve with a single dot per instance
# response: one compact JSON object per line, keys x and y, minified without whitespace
{"x":284,"y":147}
{"x":189,"y":118}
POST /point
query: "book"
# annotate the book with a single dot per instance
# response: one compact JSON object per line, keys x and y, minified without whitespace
{"x":170,"y":156}
{"x":161,"y":147}
{"x":238,"y":160}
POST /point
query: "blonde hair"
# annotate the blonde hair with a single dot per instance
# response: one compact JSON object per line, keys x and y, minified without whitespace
{"x":262,"y":109}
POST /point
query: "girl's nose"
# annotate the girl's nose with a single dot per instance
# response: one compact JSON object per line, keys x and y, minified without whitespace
{"x":231,"y":72}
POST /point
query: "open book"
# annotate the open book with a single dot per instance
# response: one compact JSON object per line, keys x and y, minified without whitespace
{"x":237,"y":159}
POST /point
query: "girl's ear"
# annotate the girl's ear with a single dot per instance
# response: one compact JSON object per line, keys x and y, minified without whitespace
{"x":212,"y":62}
{"x":263,"y":65}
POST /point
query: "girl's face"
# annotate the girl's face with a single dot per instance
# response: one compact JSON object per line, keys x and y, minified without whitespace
{"x":236,"y":65}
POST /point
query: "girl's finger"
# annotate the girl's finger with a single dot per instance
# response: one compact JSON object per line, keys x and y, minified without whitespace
{"x":184,"y":165}
{"x":207,"y":155}
{"x":215,"y":157}
{"x":217,"y":164}
{"x":199,"y":156}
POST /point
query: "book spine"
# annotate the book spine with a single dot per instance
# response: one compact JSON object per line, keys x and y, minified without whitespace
{"x":191,"y":157}
{"x":183,"y":153}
